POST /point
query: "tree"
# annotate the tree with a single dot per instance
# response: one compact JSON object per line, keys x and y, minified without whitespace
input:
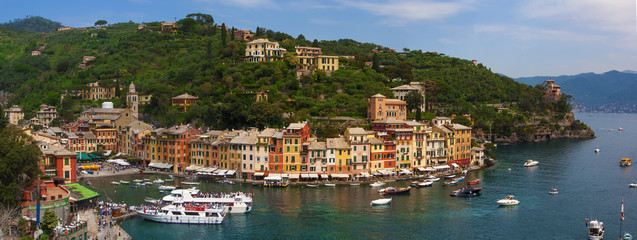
{"x":187,"y":25}
{"x":18,"y":155}
{"x":375,"y":62}
{"x":414,"y":100}
{"x":224,"y":34}
{"x":301,"y":38}
{"x":291,"y":59}
{"x":49,"y":221}
{"x":315,"y":43}
{"x":100,"y":23}
{"x":462,"y":120}
{"x":3,"y":120}
{"x":232,"y":34}
{"x":8,"y":213}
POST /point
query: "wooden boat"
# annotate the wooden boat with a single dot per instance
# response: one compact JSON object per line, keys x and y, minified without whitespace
{"x":450,"y":183}
{"x":330,"y":185}
{"x":396,"y":191}
{"x":312,"y":186}
{"x":474,"y":182}
{"x":450,"y":176}
{"x":382,"y":201}
{"x":460,"y":179}
{"x":553,"y":191}
{"x":624,"y":162}
{"x":115,"y":183}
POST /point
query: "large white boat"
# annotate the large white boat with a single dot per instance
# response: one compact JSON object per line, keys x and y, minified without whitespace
{"x":531,"y":163}
{"x":377,"y":184}
{"x":185,"y":213}
{"x":232,"y":202}
{"x":595,"y":230}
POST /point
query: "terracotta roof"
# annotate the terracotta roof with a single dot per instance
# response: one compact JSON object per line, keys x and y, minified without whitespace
{"x":404,"y":87}
{"x":378,"y":95}
{"x":357,"y":131}
{"x":317,"y":146}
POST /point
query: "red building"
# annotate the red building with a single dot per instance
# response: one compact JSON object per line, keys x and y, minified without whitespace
{"x":276,"y":153}
{"x":58,"y":162}
{"x":184,"y":100}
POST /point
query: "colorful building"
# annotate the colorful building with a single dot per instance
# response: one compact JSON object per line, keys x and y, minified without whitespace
{"x":185,"y":101}
{"x":381,"y":108}
{"x":58,"y":162}
{"x":262,"y":50}
{"x":96,"y":92}
{"x":14,"y":114}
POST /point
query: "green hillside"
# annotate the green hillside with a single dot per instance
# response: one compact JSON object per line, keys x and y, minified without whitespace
{"x":207,"y":62}
{"x":33,"y":24}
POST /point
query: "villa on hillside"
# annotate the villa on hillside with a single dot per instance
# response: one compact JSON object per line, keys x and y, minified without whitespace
{"x":262,"y":50}
{"x":184,"y":100}
{"x":312,"y":58}
{"x":380,"y":108}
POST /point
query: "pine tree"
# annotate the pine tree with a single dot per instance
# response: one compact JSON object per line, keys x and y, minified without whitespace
{"x":375,"y":62}
{"x":224,"y":34}
{"x":232,"y":34}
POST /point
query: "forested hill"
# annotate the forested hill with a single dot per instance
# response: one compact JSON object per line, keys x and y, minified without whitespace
{"x":33,"y":24}
{"x":206,"y":61}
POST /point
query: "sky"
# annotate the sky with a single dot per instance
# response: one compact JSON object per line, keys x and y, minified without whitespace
{"x":518,"y":38}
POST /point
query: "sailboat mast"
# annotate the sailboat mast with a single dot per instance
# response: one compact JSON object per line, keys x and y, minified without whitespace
{"x":621,"y":223}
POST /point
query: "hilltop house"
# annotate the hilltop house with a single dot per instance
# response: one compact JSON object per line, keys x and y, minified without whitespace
{"x":380,"y":108}
{"x":262,"y":50}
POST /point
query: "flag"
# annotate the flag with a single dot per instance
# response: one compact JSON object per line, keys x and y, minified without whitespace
{"x":622,"y":209}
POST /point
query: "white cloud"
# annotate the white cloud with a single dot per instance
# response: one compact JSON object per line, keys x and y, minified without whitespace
{"x":402,"y":12}
{"x":613,"y":15}
{"x":521,"y":32}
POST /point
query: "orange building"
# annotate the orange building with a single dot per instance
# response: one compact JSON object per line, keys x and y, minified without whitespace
{"x":106,"y":136}
{"x":552,"y":90}
{"x":381,"y":108}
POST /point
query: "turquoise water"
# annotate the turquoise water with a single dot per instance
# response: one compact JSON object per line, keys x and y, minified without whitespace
{"x":590,"y":185}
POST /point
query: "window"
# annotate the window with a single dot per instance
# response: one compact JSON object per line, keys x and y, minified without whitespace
{"x":67,"y":174}
{"x":66,"y":162}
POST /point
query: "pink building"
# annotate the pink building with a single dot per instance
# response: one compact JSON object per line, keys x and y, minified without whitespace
{"x":381,"y":108}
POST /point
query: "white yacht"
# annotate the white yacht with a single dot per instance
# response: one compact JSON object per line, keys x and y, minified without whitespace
{"x":596,"y":149}
{"x":531,"y":163}
{"x":158,"y":181}
{"x":184,"y":213}
{"x":377,"y":184}
{"x":232,"y":202}
{"x":595,"y":230}
{"x":166,"y":188}
{"x":508,"y":201}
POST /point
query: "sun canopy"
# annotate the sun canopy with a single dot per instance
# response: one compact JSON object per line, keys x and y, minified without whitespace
{"x":339,"y":175}
{"x":324,"y":176}
{"x":441,"y":167}
{"x":259,"y":174}
{"x":272,"y":178}
{"x":455,"y":165}
{"x":294,"y":176}
{"x":230,"y":172}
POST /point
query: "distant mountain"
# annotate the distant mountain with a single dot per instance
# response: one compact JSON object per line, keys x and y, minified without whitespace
{"x":609,"y":91}
{"x":33,"y":24}
{"x":629,"y":71}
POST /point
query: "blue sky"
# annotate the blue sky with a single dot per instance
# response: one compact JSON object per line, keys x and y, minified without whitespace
{"x":518,"y":38}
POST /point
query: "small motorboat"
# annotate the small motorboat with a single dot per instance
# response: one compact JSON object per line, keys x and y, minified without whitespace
{"x":553,"y":191}
{"x":396,"y":191}
{"x":632,"y":185}
{"x":627,"y":236}
{"x":354,"y":184}
{"x":450,"y":183}
{"x":330,"y":185}
{"x":140,"y":184}
{"x":531,"y":163}
{"x":508,"y":169}
{"x":377,"y":184}
{"x":474,"y":182}
{"x":596,"y":149}
{"x":450,"y":176}
{"x":595,"y":229}
{"x":382,"y":201}
{"x":464,"y":172}
{"x":414,"y":184}
{"x":190,"y":183}
{"x":508,"y":201}
{"x":138,"y":180}
{"x":460,"y":179}
{"x":466,"y":192}
{"x":133,"y":185}
{"x":158,"y":181}
{"x":624,"y":162}
{"x":124,"y":182}
{"x":620,"y":129}
{"x":146,"y":180}
{"x":312,"y":185}
{"x":115,"y":183}
{"x":151,"y":200}
{"x":433,"y":179}
{"x":425,"y":184}
{"x":166,"y":188}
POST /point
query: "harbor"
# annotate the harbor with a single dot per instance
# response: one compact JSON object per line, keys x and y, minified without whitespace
{"x":590,"y":186}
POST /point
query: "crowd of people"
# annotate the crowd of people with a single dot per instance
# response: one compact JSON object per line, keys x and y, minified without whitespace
{"x":221,"y":195}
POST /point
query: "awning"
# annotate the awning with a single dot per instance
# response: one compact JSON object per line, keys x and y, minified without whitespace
{"x":193,"y":168}
{"x":364,"y":174}
{"x":324,"y":176}
{"x":272,"y":178}
{"x":284,"y":175}
{"x":230,"y":172}
{"x":313,"y":175}
{"x":422,"y":169}
{"x":430,"y":169}
{"x":83,"y":156}
{"x":278,"y":175}
{"x":455,"y":165}
{"x":305,"y":175}
{"x":441,"y":167}
{"x":259,"y":174}
{"x":405,"y":171}
{"x":339,"y":175}
{"x":222,"y":172}
{"x":294,"y":176}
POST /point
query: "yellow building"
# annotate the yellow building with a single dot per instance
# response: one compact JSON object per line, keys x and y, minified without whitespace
{"x":343,"y":155}
{"x":312,"y":58}
{"x":262,"y":50}
{"x":95,"y":92}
